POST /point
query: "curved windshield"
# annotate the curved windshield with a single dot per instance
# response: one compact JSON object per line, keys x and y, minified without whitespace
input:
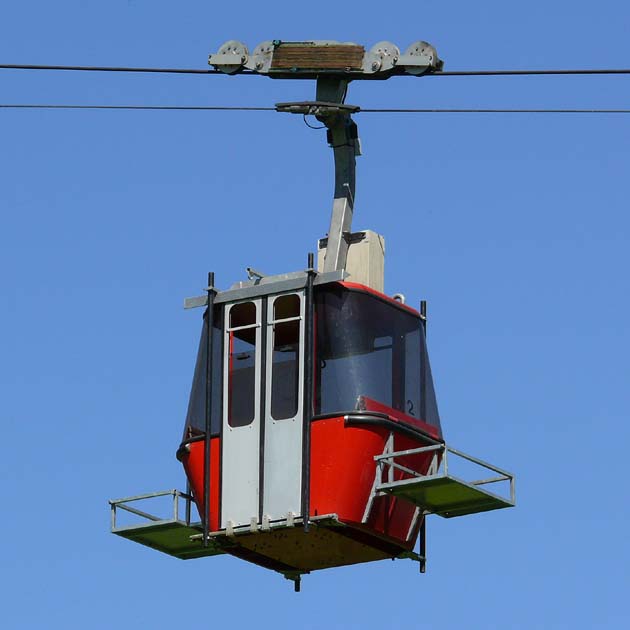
{"x":196,"y":416}
{"x":368,"y":349}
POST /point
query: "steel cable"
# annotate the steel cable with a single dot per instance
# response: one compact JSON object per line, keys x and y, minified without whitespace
{"x":213,"y":71}
{"x":273,"y":109}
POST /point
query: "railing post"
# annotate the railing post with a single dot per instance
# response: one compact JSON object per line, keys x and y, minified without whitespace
{"x":307,"y":400}
{"x":208,"y":425}
{"x":423,"y":362}
{"x":390,"y":461}
{"x":188,"y":502}
{"x":423,"y":544}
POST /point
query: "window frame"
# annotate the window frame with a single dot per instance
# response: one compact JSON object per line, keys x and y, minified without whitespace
{"x":227,"y":353}
{"x":271,"y":331}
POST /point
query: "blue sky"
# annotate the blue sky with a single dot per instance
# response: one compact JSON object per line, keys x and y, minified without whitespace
{"x":514,"y":228}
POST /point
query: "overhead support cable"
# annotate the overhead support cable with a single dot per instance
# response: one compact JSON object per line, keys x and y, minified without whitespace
{"x":213,"y":71}
{"x":113,"y":69}
{"x":505,"y":73}
{"x":143,"y":107}
{"x":495,"y":111}
{"x":273,"y":109}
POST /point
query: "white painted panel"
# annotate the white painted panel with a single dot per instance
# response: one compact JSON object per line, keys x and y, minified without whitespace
{"x":241,"y":445}
{"x":282,"y":480}
{"x":366,"y":261}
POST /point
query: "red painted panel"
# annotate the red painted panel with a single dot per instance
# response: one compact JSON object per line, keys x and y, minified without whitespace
{"x":399,"y":416}
{"x":193,"y":465}
{"x":342,"y":476}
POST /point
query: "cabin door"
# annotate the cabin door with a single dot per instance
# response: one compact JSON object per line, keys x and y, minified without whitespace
{"x":262,"y":409}
{"x":282,"y":476}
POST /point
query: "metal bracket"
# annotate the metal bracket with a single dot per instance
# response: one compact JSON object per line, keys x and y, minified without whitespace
{"x":322,"y":58}
{"x":296,"y":578}
{"x":351,"y":238}
{"x":378,"y":479}
{"x":343,"y":138}
{"x":266,"y":286}
{"x":316,"y":108}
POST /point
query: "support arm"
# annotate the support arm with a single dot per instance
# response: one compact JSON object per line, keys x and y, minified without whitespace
{"x":342,"y":137}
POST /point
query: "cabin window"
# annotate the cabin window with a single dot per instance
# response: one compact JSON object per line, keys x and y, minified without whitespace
{"x":285,"y":360}
{"x":286,"y":307}
{"x":242,"y":338}
{"x":367,"y":347}
{"x":196,"y":415}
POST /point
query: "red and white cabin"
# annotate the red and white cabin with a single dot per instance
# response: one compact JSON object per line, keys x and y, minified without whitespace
{"x":312,"y":434}
{"x":280,"y":453}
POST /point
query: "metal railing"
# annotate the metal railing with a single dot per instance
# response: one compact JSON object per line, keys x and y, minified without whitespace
{"x":387,"y":460}
{"x":122,"y":504}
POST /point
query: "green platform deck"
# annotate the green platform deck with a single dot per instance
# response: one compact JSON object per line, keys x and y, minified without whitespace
{"x":445,"y":495}
{"x":169,"y":536}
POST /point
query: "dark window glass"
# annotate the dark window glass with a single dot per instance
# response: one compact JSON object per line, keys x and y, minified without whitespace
{"x":285,"y":369}
{"x":413,"y":375}
{"x":196,"y":416}
{"x":428,"y":401}
{"x":286,"y":306}
{"x":355,"y":372}
{"x":369,"y":348}
{"x":242,"y":366}
{"x":243,"y":314}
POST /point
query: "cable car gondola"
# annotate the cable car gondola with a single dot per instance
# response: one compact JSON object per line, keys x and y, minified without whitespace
{"x":312,"y":438}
